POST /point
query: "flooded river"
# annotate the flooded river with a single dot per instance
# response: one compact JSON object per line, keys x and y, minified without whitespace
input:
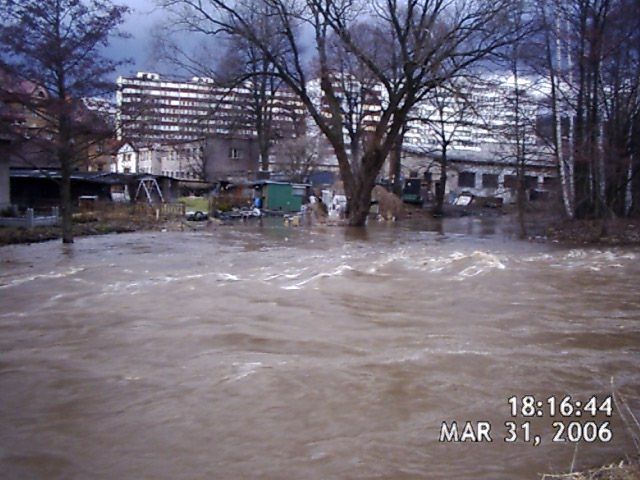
{"x":278,"y":353}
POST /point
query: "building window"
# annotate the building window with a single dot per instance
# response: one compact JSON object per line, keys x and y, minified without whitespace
{"x":489,"y":180}
{"x":235,"y":153}
{"x":467,"y":179}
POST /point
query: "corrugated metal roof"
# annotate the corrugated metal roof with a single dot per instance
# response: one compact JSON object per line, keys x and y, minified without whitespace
{"x":96,"y":177}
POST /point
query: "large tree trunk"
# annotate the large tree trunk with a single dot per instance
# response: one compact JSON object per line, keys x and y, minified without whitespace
{"x":264,"y":160}
{"x":359,"y":208}
{"x":359,"y":198}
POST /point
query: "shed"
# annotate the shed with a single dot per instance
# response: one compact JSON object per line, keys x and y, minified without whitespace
{"x":286,"y":197}
{"x":39,"y":188}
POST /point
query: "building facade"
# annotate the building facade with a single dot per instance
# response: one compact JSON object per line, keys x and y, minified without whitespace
{"x":155,"y":109}
{"x":181,"y":161}
{"x":488,"y":132}
{"x":126,"y":159}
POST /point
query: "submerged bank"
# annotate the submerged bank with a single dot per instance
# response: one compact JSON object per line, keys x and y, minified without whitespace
{"x":541,"y":226}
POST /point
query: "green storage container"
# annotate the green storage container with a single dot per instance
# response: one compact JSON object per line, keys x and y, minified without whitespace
{"x":280,"y":196}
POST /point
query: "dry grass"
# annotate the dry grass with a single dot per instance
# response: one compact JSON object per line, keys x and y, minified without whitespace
{"x":621,"y":231}
{"x":625,"y":470}
{"x":620,"y":471}
{"x":104,"y":219}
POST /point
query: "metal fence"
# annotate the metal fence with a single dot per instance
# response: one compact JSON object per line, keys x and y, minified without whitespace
{"x":101,"y":211}
{"x":30,"y":219}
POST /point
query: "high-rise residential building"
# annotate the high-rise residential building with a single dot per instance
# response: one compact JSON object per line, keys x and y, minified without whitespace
{"x":478,"y":117}
{"x":155,"y":109}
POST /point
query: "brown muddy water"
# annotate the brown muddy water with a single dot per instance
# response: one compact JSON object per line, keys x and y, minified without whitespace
{"x":279,"y":353}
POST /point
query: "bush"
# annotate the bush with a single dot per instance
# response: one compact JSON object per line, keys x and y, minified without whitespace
{"x":8,"y":212}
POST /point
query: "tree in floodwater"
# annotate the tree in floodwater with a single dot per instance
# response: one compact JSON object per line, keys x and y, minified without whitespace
{"x":56,"y":45}
{"x":411,"y":48}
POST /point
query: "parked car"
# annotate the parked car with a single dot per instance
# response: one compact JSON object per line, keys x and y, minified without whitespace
{"x":197,"y":216}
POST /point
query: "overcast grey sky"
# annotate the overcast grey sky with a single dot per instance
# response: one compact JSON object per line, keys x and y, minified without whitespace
{"x":139,"y":23}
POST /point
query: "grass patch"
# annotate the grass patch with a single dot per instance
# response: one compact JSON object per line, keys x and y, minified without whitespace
{"x":195,"y":204}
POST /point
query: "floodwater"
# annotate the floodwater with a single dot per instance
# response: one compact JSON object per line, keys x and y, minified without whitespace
{"x":310,"y":353}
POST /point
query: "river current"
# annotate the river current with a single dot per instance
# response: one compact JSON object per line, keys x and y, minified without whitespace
{"x":309,"y":353}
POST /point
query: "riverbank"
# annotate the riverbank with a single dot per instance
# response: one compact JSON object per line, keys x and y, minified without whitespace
{"x":10,"y":236}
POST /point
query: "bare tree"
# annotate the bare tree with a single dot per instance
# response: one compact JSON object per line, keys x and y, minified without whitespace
{"x":551,"y":67}
{"x":240,"y":72}
{"x":56,"y":44}
{"x":297,"y":158}
{"x":448,"y":109}
{"x":245,"y":65}
{"x":421,"y":45}
{"x":519,"y":129}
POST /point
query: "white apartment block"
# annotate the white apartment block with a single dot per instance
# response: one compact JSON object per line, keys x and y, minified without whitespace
{"x":154,"y":109}
{"x":480,"y":118}
{"x":478,"y":125}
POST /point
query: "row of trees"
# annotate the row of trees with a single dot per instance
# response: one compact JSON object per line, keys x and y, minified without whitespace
{"x":592,"y":62}
{"x":337,"y":56}
{"x":585,"y":57}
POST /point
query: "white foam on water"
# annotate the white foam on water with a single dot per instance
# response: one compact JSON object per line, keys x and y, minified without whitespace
{"x":339,"y":271}
{"x":594,"y":260}
{"x":538,"y":258}
{"x":228,"y":276}
{"x":288,"y":276}
{"x":418,"y":355}
{"x":244,"y":370}
{"x":467,"y":352}
{"x":47,"y":276}
{"x":134,"y":287}
{"x":484,"y":263}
